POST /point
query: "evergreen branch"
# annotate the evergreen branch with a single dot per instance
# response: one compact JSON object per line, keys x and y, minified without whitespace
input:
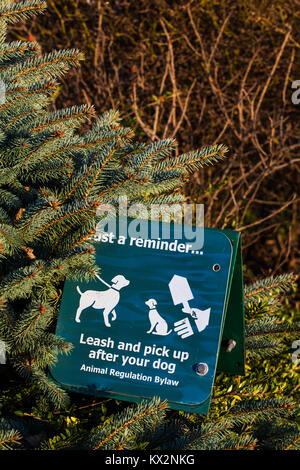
{"x":263,"y":348}
{"x":108,"y":118}
{"x":110,"y":153}
{"x":295,"y":443}
{"x":260,"y":410}
{"x":31,"y":327}
{"x":49,"y":172}
{"x":6,"y":321}
{"x":270,"y":325}
{"x":10,"y":123}
{"x":47,"y":86}
{"x":192,"y":161}
{"x":75,"y":145}
{"x":268,"y":306}
{"x":237,"y":442}
{"x":94,"y":179}
{"x":88,"y":209}
{"x":4,"y":217}
{"x":112,"y":188}
{"x":8,"y":199}
{"x":19,"y":283}
{"x":83,"y":238}
{"x":75,"y":113}
{"x":55,"y":394}
{"x":200,"y":438}
{"x":153,"y":152}
{"x":271,"y":286}
{"x":21,"y":11}
{"x":54,"y":136}
{"x":61,"y":237}
{"x":9,"y":438}
{"x":49,"y":65}
{"x":10,"y":240}
{"x":17,"y":51}
{"x":278,"y":435}
{"x":31,"y":215}
{"x":127,"y":421}
{"x":65,"y":440}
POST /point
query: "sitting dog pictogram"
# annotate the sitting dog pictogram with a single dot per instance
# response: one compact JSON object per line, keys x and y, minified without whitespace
{"x":158,"y":326}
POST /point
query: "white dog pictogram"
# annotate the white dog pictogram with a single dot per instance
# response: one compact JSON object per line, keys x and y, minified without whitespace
{"x":158,"y":325}
{"x":106,"y":300}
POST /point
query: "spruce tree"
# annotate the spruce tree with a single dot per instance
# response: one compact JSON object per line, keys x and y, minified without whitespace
{"x":53,"y":176}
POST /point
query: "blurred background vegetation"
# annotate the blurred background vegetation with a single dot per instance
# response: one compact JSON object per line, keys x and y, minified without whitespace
{"x":203,"y":72}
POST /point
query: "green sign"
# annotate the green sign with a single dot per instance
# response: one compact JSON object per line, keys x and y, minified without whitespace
{"x":159,"y":320}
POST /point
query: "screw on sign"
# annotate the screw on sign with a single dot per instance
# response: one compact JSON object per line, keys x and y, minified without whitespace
{"x":201,"y":368}
{"x":2,"y":353}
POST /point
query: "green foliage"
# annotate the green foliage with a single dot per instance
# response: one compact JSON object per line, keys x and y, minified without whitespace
{"x":271,"y":286}
{"x":265,"y":330}
{"x":8,"y":437}
{"x":126,"y":429}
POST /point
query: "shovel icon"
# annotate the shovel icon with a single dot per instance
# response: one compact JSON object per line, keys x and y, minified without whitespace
{"x":181,"y":294}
